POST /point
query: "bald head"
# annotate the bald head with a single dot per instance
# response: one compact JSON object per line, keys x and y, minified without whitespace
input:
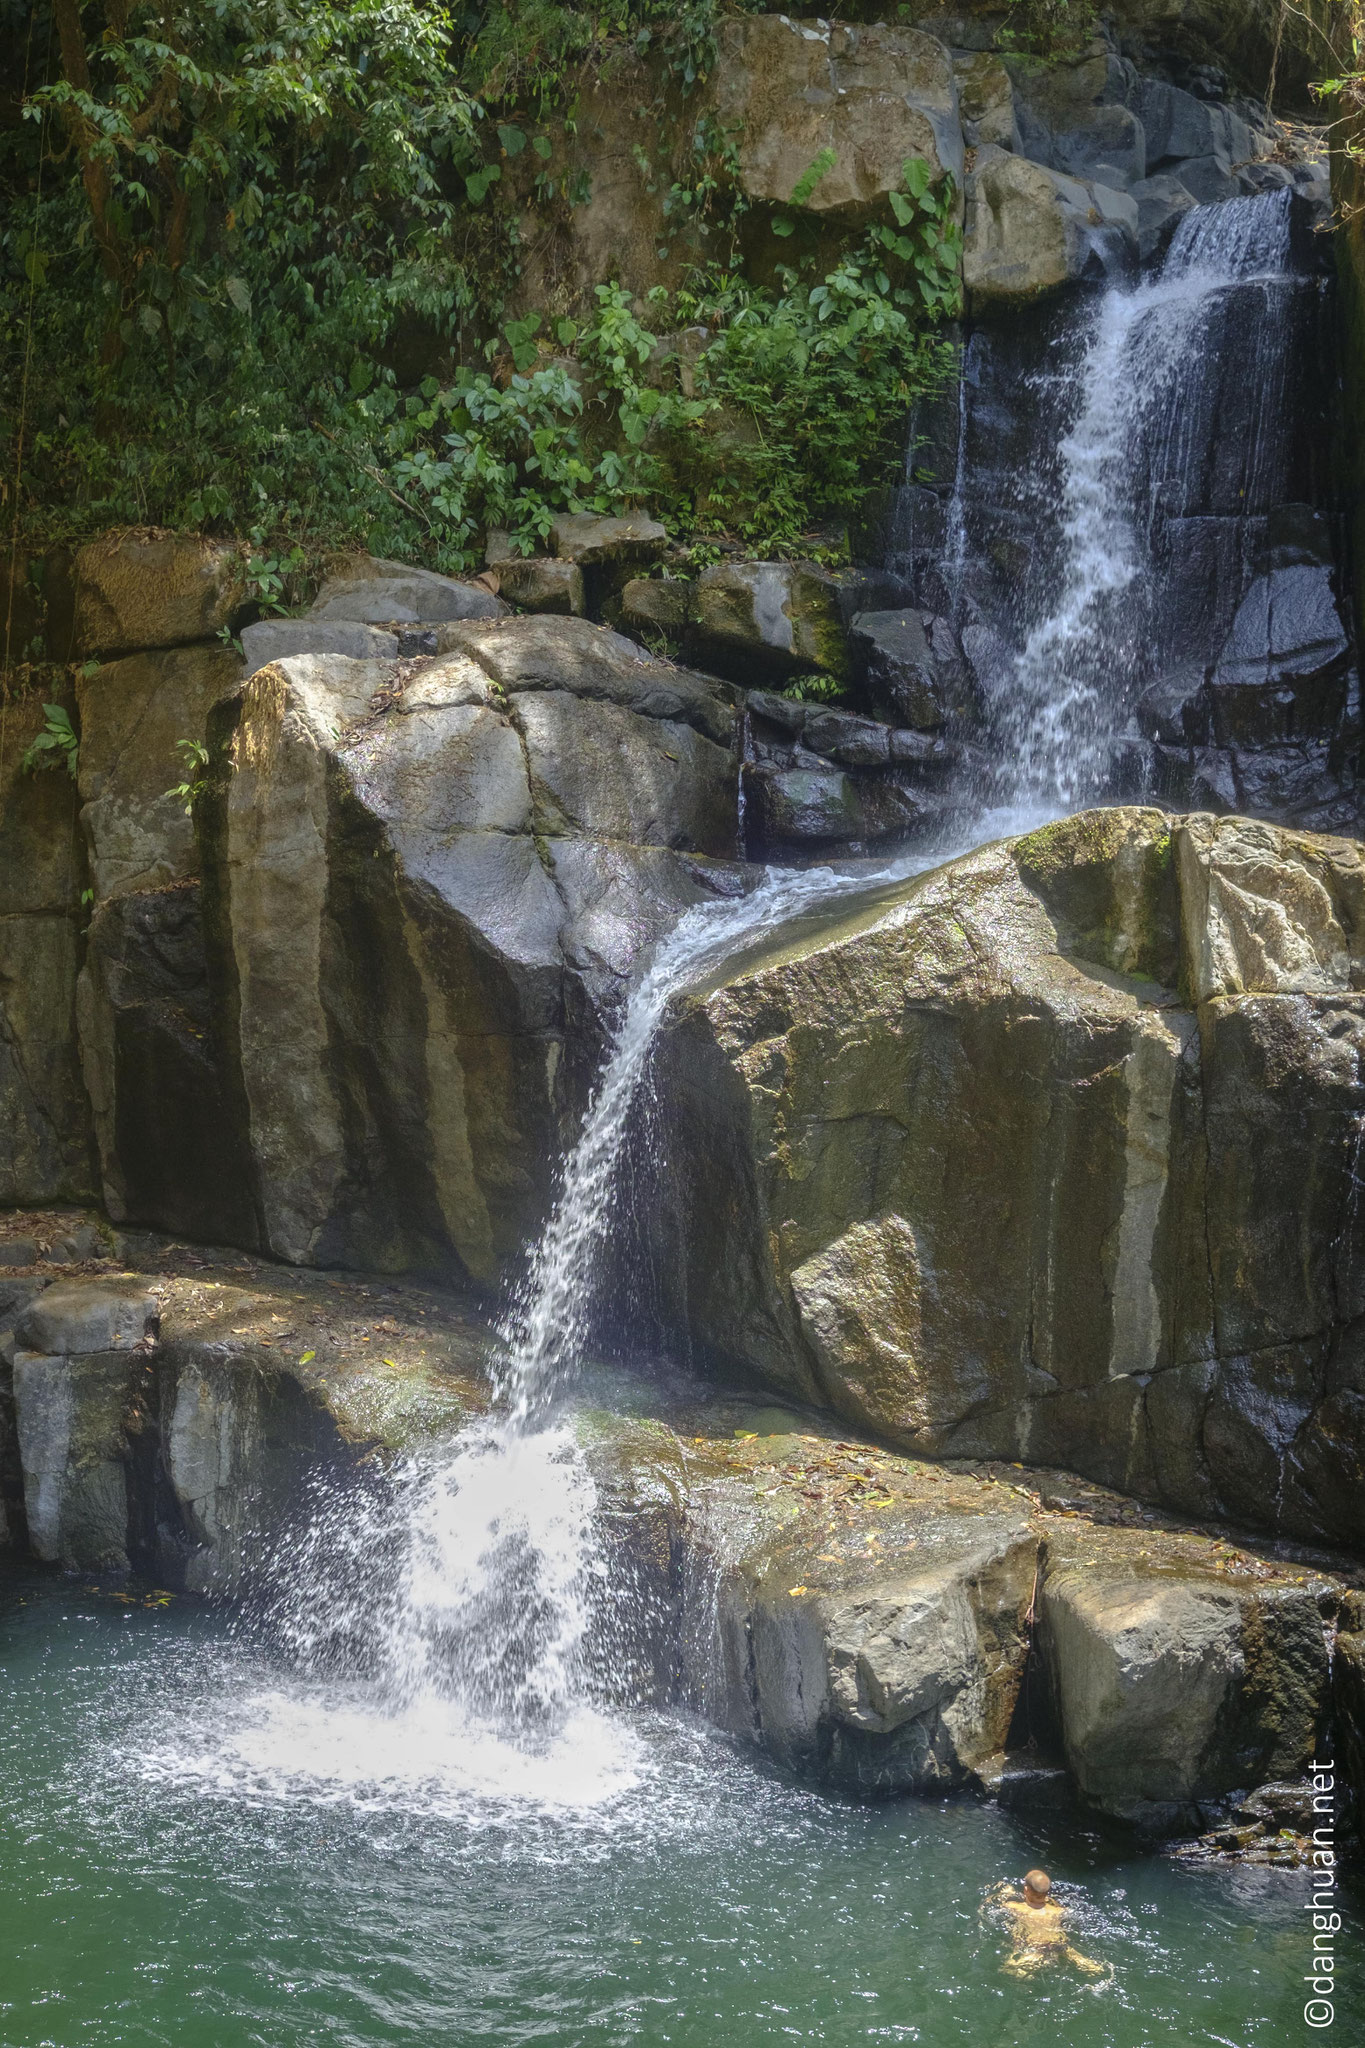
{"x":1037,"y":1884}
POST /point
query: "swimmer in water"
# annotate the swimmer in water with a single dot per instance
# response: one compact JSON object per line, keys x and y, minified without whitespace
{"x":1038,"y":1930}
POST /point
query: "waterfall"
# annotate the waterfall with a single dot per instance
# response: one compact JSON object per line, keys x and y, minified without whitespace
{"x":452,"y":1616}
{"x":1114,"y":455}
{"x":1136,"y":411}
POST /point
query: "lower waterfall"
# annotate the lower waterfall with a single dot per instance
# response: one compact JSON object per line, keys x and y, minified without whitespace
{"x":450,"y":1625}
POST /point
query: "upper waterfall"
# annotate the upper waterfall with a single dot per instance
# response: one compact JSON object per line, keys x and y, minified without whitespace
{"x":1130,"y":476}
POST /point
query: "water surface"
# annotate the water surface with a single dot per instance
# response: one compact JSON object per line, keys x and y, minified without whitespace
{"x":200,"y":1848}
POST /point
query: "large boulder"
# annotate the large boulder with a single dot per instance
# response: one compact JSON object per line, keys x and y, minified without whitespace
{"x":139,"y":589}
{"x":133,"y":713}
{"x":1048,"y":1154}
{"x":457,"y":861}
{"x":367,"y":590}
{"x":1175,"y":1687}
{"x":872,"y":96}
{"x":769,"y":619}
{"x":1029,"y":229}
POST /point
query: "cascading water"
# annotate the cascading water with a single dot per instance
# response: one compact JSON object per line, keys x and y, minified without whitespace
{"x":1069,"y":697}
{"x":463,"y":1601}
{"x":450,"y":1624}
{"x":1110,"y":481}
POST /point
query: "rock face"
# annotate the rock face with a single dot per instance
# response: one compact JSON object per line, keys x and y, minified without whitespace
{"x":74,"y":1371}
{"x":1174,"y":1690}
{"x":456,"y":861}
{"x":1048,"y":1155}
{"x":132,"y":715}
{"x":870,"y":96}
{"x":45,"y":1145}
{"x":886,"y":1626}
{"x":135,"y":590}
{"x":878,"y":1624}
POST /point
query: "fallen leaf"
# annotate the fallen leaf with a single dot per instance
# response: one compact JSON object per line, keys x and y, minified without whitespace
{"x":307,"y":1357}
{"x":794,"y":1590}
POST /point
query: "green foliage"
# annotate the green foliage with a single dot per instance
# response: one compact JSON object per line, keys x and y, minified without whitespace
{"x":1048,"y":28}
{"x":290,"y":235}
{"x":815,"y":689}
{"x":57,"y":745}
{"x":194,"y":757}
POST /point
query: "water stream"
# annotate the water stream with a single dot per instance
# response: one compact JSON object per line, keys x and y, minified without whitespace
{"x":1110,"y":479}
{"x":1066,"y":704}
{"x":417,"y":1805}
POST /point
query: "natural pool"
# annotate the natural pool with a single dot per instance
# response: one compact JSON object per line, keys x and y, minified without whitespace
{"x":200,"y":1849}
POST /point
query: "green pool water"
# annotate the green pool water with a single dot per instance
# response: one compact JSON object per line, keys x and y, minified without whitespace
{"x":200,"y":1849}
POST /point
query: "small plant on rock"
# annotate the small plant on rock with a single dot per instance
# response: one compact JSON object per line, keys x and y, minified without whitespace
{"x":195,"y":758}
{"x":56,"y":746}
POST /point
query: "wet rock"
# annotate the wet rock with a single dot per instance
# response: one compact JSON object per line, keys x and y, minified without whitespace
{"x":1174,"y":709}
{"x":924,"y":750}
{"x":788,"y":714}
{"x":1175,"y":1690}
{"x":137,"y":589}
{"x":778,"y":618}
{"x":902,"y":670}
{"x":133,"y":714}
{"x":370,"y":591}
{"x":851,"y":741}
{"x":796,"y":805}
{"x":277,"y":639}
{"x":1161,"y":201}
{"x":872,"y":96}
{"x":1108,"y":1275}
